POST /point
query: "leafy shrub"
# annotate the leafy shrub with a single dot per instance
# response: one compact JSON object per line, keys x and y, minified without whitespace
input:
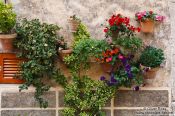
{"x":86,"y":97}
{"x":152,"y":57}
{"x":7,"y":18}
{"x":37,"y":44}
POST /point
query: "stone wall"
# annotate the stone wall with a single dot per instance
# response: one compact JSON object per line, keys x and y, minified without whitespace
{"x":125,"y":103}
{"x":94,"y":13}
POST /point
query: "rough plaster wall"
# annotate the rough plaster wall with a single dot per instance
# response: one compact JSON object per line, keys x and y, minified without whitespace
{"x":94,"y":13}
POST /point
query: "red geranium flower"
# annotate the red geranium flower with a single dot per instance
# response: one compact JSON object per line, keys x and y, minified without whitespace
{"x":106,"y":30}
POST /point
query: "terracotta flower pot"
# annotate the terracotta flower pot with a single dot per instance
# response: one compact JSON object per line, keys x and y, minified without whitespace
{"x":6,"y":42}
{"x":147,"y":26}
{"x":64,"y":53}
{"x":150,"y":74}
{"x":74,"y":24}
{"x":106,"y":67}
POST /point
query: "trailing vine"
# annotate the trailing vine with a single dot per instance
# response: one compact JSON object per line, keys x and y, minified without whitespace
{"x":37,"y":44}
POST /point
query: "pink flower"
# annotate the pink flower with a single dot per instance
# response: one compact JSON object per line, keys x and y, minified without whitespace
{"x":120,"y":56}
{"x":110,"y":59}
{"x":160,"y":18}
{"x":144,"y":13}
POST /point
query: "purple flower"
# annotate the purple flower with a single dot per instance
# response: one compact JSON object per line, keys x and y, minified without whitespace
{"x":127,"y":67}
{"x":136,"y":88}
{"x":113,"y":80}
{"x":130,"y":75}
{"x":124,"y":61}
{"x":102,"y":78}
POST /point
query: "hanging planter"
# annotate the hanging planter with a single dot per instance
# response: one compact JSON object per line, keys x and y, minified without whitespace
{"x":151,"y":73}
{"x":147,"y":26}
{"x":64,"y":53}
{"x":6,"y":42}
{"x":147,"y":20}
{"x":74,"y":23}
{"x":106,"y":67}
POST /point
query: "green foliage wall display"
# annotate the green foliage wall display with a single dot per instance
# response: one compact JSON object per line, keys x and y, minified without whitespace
{"x":37,"y":44}
{"x":7,"y":18}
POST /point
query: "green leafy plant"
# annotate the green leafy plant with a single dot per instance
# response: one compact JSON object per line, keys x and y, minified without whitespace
{"x":37,"y":44}
{"x":151,"y":57}
{"x":81,"y":33}
{"x":132,"y":44}
{"x":122,"y":77}
{"x":86,"y":97}
{"x":83,"y":51}
{"x":7,"y":18}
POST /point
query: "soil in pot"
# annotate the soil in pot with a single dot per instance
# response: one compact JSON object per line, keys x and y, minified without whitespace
{"x":147,"y":26}
{"x":6,"y":42}
{"x":64,"y":53}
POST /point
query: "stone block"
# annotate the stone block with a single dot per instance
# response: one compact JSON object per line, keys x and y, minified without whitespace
{"x":143,"y":98}
{"x":144,"y":112}
{"x":61,"y":99}
{"x":28,"y":113}
{"x":24,"y":99}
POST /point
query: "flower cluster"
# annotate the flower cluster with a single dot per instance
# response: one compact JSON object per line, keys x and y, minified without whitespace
{"x":126,"y":65}
{"x":110,"y":82}
{"x":118,"y":23}
{"x":109,"y":55}
{"x":145,"y":15}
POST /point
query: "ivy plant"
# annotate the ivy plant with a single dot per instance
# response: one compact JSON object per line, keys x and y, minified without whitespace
{"x":37,"y":45}
{"x":7,"y":18}
{"x":86,"y":97}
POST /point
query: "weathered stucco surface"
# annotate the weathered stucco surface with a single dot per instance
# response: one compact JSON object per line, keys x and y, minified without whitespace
{"x":94,"y":13}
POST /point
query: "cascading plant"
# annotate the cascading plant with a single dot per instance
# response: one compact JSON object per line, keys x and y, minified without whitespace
{"x":37,"y":44}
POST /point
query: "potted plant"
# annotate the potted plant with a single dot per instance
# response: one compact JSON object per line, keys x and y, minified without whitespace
{"x":7,"y":22}
{"x":108,"y":60}
{"x":74,"y":22}
{"x":150,"y":59}
{"x":147,"y":20}
{"x":118,"y":25}
{"x":63,"y":49}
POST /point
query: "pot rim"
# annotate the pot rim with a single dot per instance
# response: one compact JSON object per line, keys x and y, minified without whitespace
{"x":8,"y":36}
{"x":68,"y":51}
